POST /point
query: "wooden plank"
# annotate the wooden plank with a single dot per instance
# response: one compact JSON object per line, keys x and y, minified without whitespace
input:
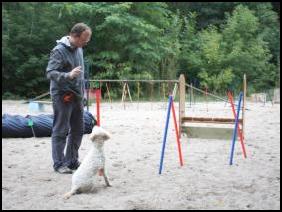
{"x":208,"y":132}
{"x":209,"y":120}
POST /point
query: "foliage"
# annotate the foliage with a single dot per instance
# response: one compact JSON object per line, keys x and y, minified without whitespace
{"x":213,"y":44}
{"x":245,"y":50}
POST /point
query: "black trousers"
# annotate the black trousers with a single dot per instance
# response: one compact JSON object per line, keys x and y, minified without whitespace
{"x":67,"y":131}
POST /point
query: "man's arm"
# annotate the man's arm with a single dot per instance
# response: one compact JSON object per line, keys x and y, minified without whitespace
{"x":56,"y":64}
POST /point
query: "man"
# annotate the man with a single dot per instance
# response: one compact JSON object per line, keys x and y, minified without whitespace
{"x":66,"y":73}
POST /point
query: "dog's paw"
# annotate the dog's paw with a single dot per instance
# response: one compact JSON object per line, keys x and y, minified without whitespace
{"x":67,"y":195}
{"x":101,"y":172}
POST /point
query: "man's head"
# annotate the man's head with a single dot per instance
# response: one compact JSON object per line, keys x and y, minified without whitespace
{"x":80,"y":35}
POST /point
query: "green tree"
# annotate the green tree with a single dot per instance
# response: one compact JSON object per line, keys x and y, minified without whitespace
{"x":189,"y":60}
{"x":244,"y":49}
{"x":213,"y":73}
{"x":26,"y":45}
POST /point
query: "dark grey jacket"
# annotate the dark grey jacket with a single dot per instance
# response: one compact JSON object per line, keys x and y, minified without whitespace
{"x":63,"y":59}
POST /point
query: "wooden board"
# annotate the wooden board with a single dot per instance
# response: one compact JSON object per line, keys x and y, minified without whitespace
{"x":210,"y":120}
{"x":208,"y":132}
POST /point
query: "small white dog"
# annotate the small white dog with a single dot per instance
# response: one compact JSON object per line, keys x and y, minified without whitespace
{"x":92,"y":164}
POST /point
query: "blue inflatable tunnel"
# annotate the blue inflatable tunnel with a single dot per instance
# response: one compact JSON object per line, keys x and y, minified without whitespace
{"x":16,"y":126}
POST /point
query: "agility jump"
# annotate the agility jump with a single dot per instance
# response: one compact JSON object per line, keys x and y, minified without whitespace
{"x":184,"y":121}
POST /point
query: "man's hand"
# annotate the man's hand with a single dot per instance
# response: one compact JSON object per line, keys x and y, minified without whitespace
{"x":75,"y":72}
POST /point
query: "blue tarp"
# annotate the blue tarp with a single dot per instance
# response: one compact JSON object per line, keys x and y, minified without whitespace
{"x":16,"y":126}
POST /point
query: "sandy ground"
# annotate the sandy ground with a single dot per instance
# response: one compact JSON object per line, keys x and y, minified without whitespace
{"x":206,"y":181}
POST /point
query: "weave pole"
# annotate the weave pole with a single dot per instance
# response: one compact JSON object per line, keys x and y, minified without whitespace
{"x":239,"y":130}
{"x":235,"y":128}
{"x":171,"y":107}
{"x":177,"y":134}
{"x":165,"y":134}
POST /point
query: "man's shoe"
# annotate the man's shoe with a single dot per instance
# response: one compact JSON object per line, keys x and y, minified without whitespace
{"x":75,"y":166}
{"x":63,"y":170}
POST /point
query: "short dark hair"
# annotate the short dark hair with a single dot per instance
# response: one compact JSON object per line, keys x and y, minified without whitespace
{"x":78,"y":28}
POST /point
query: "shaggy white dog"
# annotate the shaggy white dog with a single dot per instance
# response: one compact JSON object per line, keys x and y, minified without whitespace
{"x":92,"y":164}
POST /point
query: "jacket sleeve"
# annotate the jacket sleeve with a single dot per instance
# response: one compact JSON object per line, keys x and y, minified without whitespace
{"x":55,"y":68}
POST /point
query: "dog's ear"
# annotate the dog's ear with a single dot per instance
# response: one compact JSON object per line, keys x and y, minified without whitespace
{"x":92,"y":136}
{"x":106,"y":136}
{"x":94,"y":133}
{"x":102,"y":137}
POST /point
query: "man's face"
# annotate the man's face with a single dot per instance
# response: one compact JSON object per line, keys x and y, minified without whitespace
{"x":83,"y":39}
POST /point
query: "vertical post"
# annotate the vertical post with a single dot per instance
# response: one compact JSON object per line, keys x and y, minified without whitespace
{"x":177,"y":134}
{"x":164,"y":95}
{"x":165,"y":134}
{"x":98,"y":95}
{"x":87,"y":84}
{"x":235,"y":129}
{"x":181,"y":101}
{"x":128,"y":92}
{"x":108,"y":92}
{"x":230,"y":97}
{"x":123,"y":94}
{"x":87,"y":97}
{"x":244,"y":104}
{"x":174,"y":90}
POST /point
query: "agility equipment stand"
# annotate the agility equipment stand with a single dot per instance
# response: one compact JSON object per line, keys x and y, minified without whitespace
{"x":170,"y":107}
{"x":214,"y":132}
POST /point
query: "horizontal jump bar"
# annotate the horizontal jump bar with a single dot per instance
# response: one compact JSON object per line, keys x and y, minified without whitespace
{"x":126,"y":80}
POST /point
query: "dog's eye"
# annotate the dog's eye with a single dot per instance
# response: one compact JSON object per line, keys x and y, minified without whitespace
{"x":105,"y":137}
